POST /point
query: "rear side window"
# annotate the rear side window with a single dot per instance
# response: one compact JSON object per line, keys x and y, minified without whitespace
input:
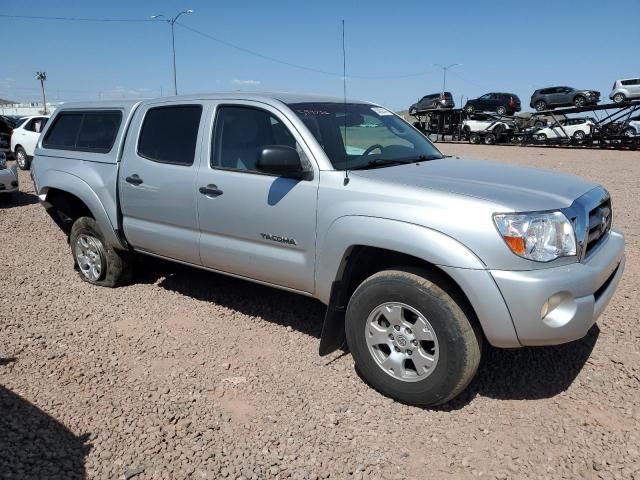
{"x":88,"y":131}
{"x":169,"y":134}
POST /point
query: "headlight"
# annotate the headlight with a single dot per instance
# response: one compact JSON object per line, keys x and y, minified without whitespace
{"x":541,"y":237}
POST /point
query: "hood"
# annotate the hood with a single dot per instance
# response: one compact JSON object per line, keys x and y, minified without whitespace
{"x":512,"y":187}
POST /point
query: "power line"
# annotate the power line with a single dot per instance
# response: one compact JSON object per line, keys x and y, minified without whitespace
{"x":295,"y":65}
{"x":225,"y":43}
{"x":77,"y":19}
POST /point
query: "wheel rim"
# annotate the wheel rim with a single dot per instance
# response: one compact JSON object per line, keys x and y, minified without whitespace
{"x":89,"y":256}
{"x":579,"y":102}
{"x":579,"y":135}
{"x":402,"y":342}
{"x":629,"y":132}
{"x":21,"y":158}
{"x":542,"y":138}
{"x":618,"y":98}
{"x":541,"y":106}
{"x":501,"y":110}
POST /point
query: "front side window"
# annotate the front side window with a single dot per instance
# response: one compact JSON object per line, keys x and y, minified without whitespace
{"x":170,"y":134}
{"x":84,"y":131}
{"x":240,"y":135}
{"x":356,"y":135}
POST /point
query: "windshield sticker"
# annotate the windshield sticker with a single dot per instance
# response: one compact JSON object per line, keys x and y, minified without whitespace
{"x":381,"y":111}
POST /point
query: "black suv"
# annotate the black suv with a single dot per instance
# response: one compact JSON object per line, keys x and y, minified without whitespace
{"x":429,"y":102}
{"x":501,"y":103}
{"x":549,"y":98}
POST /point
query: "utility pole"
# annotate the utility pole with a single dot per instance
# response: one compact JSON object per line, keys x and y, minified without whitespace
{"x":42,"y":76}
{"x":444,"y":73}
{"x":172,"y":22}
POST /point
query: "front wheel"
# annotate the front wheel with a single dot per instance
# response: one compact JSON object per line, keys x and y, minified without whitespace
{"x":579,"y":135}
{"x":474,"y":139}
{"x":490,"y":139}
{"x":579,"y":101}
{"x":22,"y":159}
{"x":540,"y":105}
{"x":469,"y":108}
{"x":410,"y":339}
{"x":501,"y":110}
{"x":629,"y":132}
{"x":97,"y":262}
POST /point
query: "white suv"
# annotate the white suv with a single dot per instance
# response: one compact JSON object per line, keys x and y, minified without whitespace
{"x":575,"y":128}
{"x":24,"y":139}
{"x":624,"y":90}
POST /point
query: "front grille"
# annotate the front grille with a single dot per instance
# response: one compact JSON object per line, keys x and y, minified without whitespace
{"x":600,"y":220}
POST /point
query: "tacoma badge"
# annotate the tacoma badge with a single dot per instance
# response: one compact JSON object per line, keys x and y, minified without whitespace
{"x":278,"y":238}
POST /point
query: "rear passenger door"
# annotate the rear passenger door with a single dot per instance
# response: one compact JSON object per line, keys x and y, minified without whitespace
{"x":157,"y":180}
{"x":253,"y":224}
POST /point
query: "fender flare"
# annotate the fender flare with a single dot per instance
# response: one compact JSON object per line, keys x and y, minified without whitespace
{"x":74,"y":185}
{"x":418,"y":241}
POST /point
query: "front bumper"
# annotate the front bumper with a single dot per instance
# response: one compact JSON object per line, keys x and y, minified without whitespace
{"x":8,"y":180}
{"x":575,"y":295}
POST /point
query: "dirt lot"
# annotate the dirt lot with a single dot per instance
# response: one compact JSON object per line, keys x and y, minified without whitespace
{"x":187,"y":373}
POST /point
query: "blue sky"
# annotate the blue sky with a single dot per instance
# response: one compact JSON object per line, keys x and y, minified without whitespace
{"x":502,"y":45}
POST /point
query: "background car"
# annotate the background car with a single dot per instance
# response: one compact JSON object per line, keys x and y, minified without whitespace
{"x":574,"y":128}
{"x":551,"y":97}
{"x":434,"y":100}
{"x":8,"y":176}
{"x":501,"y":103}
{"x":24,"y":139}
{"x":623,"y":90}
{"x":632,"y":127}
{"x":479,"y":122}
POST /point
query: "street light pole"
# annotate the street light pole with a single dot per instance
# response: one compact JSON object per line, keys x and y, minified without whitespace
{"x":172,"y":22}
{"x":444,"y":73}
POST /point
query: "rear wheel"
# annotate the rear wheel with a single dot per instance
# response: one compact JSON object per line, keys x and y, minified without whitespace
{"x":579,"y":135}
{"x":96,"y":261}
{"x":619,"y":98}
{"x":474,"y":138}
{"x":23,"y":161}
{"x":629,"y":132}
{"x":410,"y":339}
{"x":501,"y":110}
{"x":541,"y":137}
{"x":541,"y":105}
{"x":469,"y":108}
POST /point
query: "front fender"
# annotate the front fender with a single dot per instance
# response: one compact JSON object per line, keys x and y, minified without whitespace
{"x":76,"y":186}
{"x":430,"y":245}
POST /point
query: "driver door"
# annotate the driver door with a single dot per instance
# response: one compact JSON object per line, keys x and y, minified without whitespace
{"x":252,"y":224}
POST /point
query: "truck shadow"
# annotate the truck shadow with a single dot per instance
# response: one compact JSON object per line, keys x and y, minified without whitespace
{"x":35,"y":445}
{"x":17,"y":199}
{"x":517,"y":374}
{"x":529,"y":373}
{"x":287,"y":309}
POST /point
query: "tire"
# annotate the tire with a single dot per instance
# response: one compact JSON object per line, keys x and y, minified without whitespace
{"x":541,"y":137}
{"x":619,"y":98}
{"x":469,"y":108}
{"x":629,"y":132}
{"x":579,"y":101}
{"x":541,"y":105}
{"x":90,"y":250}
{"x":490,"y":139}
{"x":474,"y":139}
{"x":22,"y":160}
{"x":579,"y":135}
{"x":501,"y":110}
{"x":409,"y":306}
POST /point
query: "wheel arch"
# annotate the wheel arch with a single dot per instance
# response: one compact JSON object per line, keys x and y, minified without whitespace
{"x":67,"y":197}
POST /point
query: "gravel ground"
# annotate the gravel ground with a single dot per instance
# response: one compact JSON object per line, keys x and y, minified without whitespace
{"x":187,"y":373}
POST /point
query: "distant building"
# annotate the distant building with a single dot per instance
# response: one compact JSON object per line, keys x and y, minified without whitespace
{"x":8,"y":107}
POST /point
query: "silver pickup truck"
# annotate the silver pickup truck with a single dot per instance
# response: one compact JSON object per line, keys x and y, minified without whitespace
{"x":418,"y":257}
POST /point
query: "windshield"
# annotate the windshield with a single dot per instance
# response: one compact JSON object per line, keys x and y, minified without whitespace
{"x":356,"y":135}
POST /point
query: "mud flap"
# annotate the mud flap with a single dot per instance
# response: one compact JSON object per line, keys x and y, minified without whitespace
{"x":333,"y":334}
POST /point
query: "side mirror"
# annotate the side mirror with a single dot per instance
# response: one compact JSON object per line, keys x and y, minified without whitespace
{"x":281,"y":160}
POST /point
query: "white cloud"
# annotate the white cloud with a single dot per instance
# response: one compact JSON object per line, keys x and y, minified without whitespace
{"x":235,"y":81}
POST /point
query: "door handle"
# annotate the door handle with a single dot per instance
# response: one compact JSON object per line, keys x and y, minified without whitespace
{"x":210,"y":190}
{"x":134,"y":179}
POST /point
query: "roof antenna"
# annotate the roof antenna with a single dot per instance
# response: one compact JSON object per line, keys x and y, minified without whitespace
{"x":344,"y":96}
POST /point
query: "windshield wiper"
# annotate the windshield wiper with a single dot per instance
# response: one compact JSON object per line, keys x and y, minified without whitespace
{"x":380,"y":162}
